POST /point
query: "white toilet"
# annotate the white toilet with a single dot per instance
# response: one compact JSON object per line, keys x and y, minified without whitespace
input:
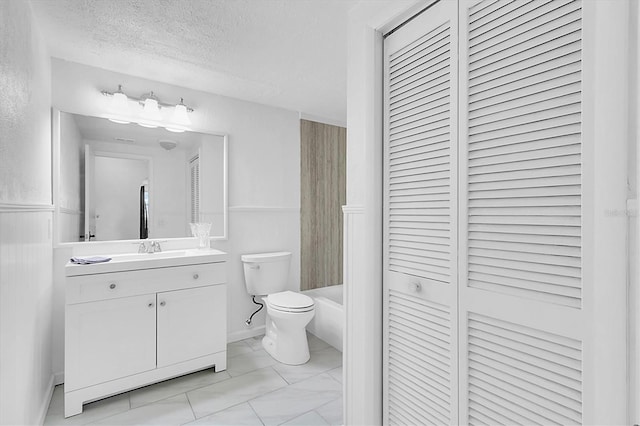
{"x":288,"y":312}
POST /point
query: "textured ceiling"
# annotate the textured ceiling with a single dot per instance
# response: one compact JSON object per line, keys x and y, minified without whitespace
{"x":287,"y":53}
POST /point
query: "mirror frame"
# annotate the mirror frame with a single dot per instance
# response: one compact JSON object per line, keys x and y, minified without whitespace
{"x":56,"y":182}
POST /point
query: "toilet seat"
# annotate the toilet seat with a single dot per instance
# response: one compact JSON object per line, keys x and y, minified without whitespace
{"x":290,"y":301}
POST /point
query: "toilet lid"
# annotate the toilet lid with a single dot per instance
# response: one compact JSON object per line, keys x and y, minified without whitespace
{"x":290,"y":300}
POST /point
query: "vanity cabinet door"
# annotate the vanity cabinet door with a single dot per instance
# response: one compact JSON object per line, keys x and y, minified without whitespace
{"x":191,"y":323}
{"x":109,"y":339}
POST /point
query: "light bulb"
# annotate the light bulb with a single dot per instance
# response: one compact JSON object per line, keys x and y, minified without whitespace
{"x":180,"y":114}
{"x":119,"y":107}
{"x":151,"y":110}
{"x":120,"y":103}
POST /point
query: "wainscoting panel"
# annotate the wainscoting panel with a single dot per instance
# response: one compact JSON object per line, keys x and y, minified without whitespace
{"x":25,"y":313}
{"x":322,"y":194}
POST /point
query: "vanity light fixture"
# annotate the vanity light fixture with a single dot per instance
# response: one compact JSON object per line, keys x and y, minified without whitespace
{"x":120,"y":106}
{"x":180,"y":114}
{"x":150,"y":116}
{"x":151,"y":109}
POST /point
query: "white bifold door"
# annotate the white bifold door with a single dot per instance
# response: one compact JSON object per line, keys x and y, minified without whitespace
{"x":484,"y":319}
{"x":421,"y":159}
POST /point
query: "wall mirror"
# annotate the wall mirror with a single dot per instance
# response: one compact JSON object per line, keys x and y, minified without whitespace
{"x":126,"y":182}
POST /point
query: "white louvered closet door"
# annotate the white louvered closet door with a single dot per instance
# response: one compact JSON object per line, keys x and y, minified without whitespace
{"x":484,"y":309}
{"x":521,"y":322}
{"x":420,"y":296}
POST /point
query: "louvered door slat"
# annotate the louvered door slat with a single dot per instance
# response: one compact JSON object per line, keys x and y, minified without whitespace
{"x":528,"y":152}
{"x":561,"y":413}
{"x":526,"y":374}
{"x":420,"y":229}
{"x":521,"y":35}
{"x":521,"y":219}
{"x":504,"y":18}
{"x":545,"y":28}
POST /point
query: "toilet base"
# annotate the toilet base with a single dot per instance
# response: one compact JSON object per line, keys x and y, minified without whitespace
{"x":290,"y":348}
{"x":289,"y":358}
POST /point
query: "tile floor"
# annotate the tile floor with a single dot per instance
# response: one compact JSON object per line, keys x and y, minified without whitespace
{"x":254,"y":390}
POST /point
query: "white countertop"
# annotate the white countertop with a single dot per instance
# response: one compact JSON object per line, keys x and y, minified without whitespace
{"x":135,"y":261}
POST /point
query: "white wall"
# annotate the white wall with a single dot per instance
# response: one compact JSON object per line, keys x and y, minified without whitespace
{"x":25,"y":219}
{"x":264,"y":179}
{"x":212,"y":177}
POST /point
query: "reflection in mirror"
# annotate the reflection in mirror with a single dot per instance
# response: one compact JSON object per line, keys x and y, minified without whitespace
{"x":126,"y":182}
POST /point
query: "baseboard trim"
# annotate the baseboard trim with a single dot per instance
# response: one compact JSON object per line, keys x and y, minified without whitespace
{"x":44,"y":405}
{"x":58,"y":378}
{"x":245,"y":334}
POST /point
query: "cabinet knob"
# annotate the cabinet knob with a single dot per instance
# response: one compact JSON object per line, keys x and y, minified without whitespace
{"x":415,"y":287}
{"x":163,"y":303}
{"x":196,"y":276}
{"x":150,"y":304}
{"x":112,"y":286}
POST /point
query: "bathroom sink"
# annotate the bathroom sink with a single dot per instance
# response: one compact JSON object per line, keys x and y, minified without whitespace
{"x":133,"y":261}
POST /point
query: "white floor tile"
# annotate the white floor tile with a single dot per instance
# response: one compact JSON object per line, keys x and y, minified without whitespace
{"x":332,"y":412}
{"x":255,"y":342}
{"x":91,"y":412}
{"x":285,"y":404}
{"x":175,"y":386}
{"x":237,"y":348}
{"x":321,"y":360}
{"x":308,"y":419}
{"x":236,"y":390}
{"x":336,"y":373}
{"x":241,"y":414}
{"x":250,"y":361}
{"x":171,"y":411}
{"x":316,"y":344}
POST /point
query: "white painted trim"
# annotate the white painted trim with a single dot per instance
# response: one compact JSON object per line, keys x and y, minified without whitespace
{"x":259,"y":209}
{"x":44,"y":404}
{"x":25,"y":208}
{"x":58,"y":378}
{"x":352,"y":209}
{"x":634,"y":230}
{"x":405,"y":15}
{"x":350,"y":253}
{"x":65,"y":210}
{"x":225,"y":187}
{"x":324,"y":120}
{"x":605,"y":377}
{"x":245,"y":334}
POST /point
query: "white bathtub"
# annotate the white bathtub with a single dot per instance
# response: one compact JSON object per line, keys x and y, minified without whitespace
{"x":328,"y":322}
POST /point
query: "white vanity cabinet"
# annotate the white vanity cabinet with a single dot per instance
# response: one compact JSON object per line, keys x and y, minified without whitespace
{"x":130,"y":326}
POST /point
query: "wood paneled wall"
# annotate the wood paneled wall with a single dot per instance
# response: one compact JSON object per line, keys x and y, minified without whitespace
{"x":323,"y":152}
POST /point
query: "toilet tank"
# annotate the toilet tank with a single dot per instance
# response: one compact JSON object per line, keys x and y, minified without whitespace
{"x":266,"y":273}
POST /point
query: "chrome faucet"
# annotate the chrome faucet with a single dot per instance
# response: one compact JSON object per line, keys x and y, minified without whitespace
{"x":147,"y":246}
